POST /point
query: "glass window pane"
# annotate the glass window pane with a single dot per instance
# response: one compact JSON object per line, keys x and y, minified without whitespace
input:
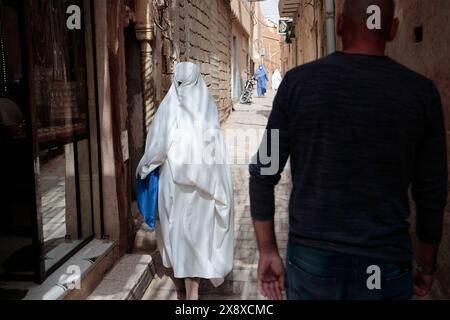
{"x":60,"y":97}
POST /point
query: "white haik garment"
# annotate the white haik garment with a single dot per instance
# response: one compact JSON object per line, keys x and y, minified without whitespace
{"x":276,"y":79}
{"x":196,"y":234}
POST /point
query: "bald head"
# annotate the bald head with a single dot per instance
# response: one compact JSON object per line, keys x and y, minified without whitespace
{"x":354,"y":19}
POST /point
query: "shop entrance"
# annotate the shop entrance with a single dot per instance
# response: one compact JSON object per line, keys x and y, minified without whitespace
{"x":48,"y":142}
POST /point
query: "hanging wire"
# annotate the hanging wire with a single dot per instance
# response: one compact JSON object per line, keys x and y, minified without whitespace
{"x":4,"y":78}
{"x":175,"y":40}
{"x":258,"y":20}
{"x":160,"y":9}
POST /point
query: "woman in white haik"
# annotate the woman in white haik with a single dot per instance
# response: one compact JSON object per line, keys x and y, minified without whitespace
{"x":276,"y":79}
{"x":196,"y":234}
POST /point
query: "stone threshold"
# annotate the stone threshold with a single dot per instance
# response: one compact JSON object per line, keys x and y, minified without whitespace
{"x":77,"y":276}
{"x":128,"y":280}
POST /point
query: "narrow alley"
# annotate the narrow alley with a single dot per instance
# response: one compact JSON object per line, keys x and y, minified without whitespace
{"x":81,"y":82}
{"x":242,"y":283}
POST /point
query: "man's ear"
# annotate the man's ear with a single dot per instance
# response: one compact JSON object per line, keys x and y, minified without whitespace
{"x":394,"y":30}
{"x":340,"y":25}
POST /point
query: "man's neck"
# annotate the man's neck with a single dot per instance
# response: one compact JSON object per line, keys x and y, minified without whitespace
{"x":365,"y":48}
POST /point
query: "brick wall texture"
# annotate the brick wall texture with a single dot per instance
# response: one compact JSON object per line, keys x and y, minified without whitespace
{"x":202,"y":30}
{"x":430,"y":58}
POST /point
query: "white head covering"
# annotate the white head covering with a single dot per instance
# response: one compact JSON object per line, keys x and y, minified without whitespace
{"x":276,"y":79}
{"x":184,"y":137}
{"x":182,"y":130}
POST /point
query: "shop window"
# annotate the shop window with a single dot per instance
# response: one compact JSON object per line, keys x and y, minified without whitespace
{"x":59,"y":96}
{"x":47,"y":178}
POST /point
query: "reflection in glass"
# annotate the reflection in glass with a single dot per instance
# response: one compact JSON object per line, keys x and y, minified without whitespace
{"x":58,"y":193}
{"x":60,"y":98}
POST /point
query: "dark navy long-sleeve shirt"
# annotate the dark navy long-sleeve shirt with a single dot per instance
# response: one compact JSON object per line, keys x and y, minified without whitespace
{"x":361,"y":132}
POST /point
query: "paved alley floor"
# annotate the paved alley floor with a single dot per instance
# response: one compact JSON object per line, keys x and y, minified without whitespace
{"x":242,"y":283}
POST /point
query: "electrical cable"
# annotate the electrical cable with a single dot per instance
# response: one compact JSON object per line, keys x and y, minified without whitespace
{"x":161,"y":20}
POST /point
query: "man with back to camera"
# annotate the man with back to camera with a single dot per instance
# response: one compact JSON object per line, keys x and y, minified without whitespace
{"x":361,"y":131}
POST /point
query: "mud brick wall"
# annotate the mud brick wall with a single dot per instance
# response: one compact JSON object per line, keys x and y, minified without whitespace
{"x":430,"y":58}
{"x":202,"y":30}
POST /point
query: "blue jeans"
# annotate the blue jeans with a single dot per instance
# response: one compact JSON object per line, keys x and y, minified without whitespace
{"x":314,"y":274}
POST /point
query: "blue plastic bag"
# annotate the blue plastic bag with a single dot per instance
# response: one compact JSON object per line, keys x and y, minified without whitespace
{"x":147,"y":197}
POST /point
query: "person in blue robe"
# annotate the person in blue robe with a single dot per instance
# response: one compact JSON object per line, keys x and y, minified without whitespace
{"x":261,"y":77}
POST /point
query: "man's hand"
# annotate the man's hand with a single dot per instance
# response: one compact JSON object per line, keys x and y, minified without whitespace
{"x":422,"y":284}
{"x":271,"y":267}
{"x":426,"y":256}
{"x":271,"y":276}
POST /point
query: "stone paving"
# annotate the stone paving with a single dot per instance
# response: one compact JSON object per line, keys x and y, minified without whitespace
{"x":241,"y":284}
{"x":53,"y":185}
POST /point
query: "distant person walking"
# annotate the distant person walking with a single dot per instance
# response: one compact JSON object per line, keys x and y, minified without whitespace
{"x":261,"y":77}
{"x":361,"y":131}
{"x":276,"y":80}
